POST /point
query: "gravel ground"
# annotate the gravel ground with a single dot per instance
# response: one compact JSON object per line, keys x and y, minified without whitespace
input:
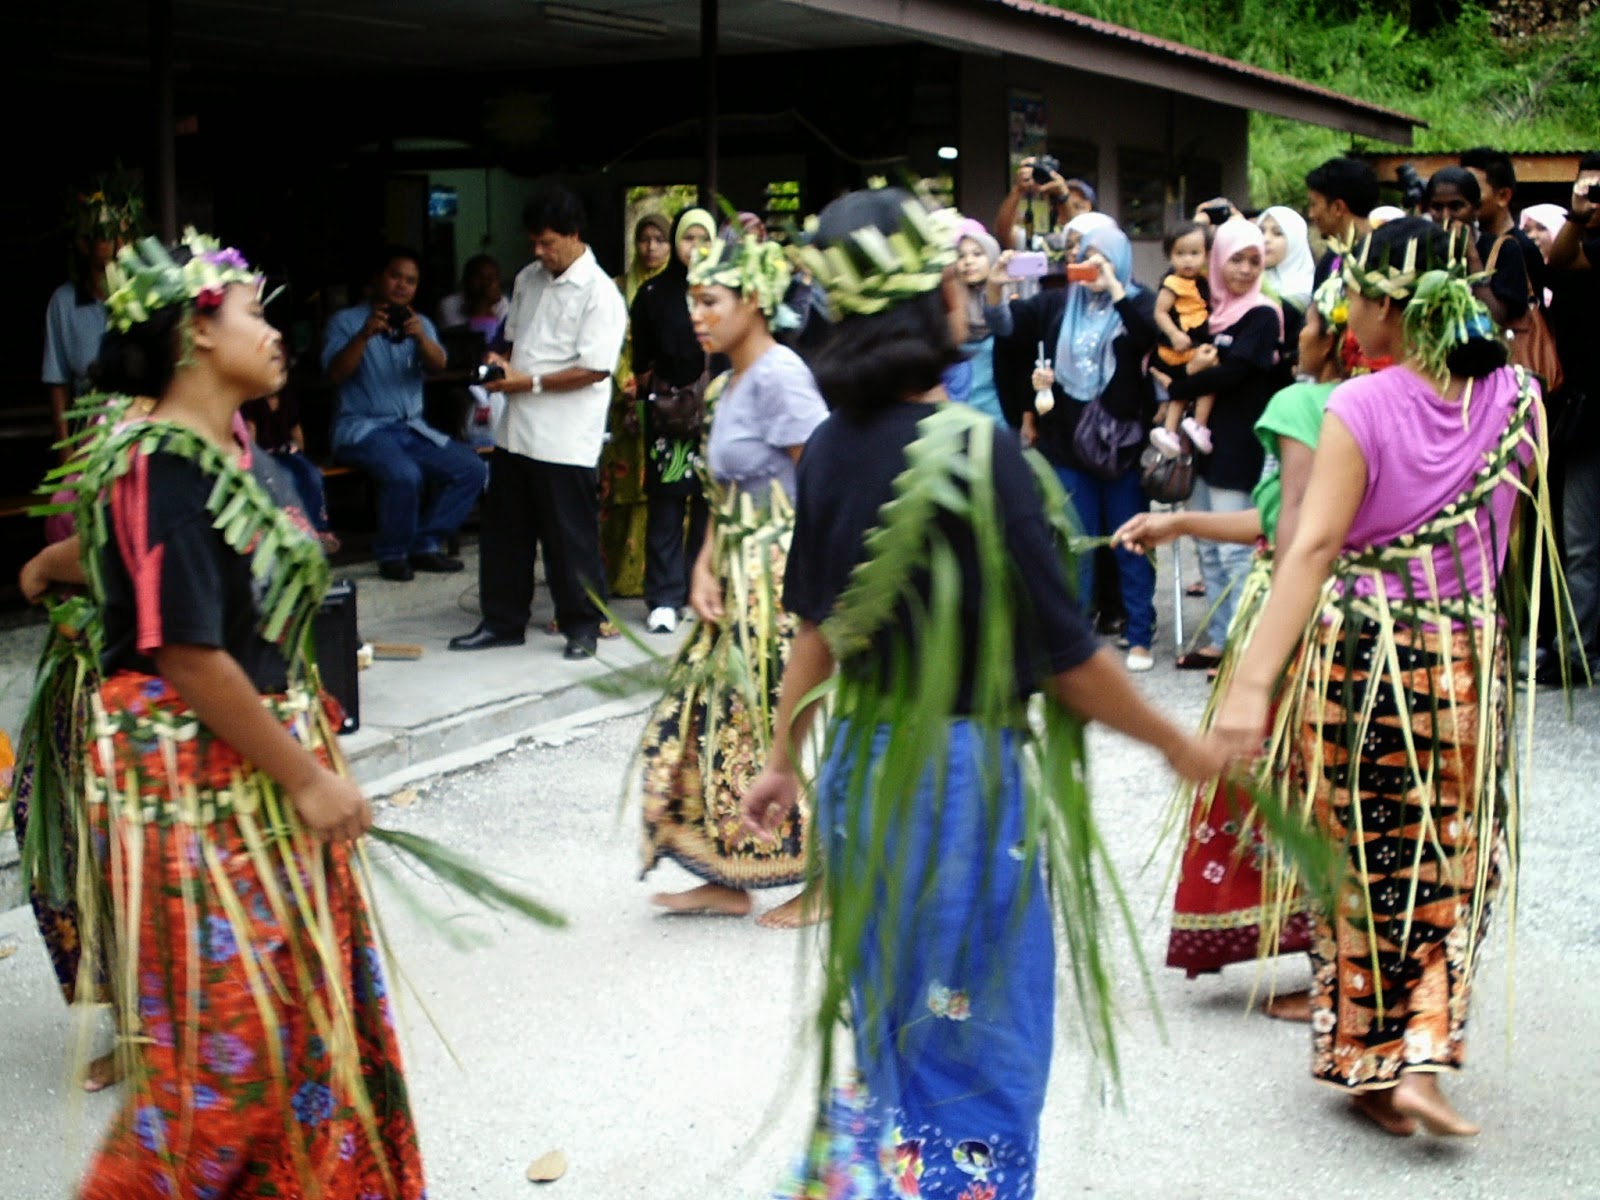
{"x":665,"y":1055}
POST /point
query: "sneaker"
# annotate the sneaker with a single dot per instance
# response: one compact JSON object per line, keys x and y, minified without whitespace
{"x":1140,"y":660}
{"x":663,"y":619}
{"x":1198,"y":434}
{"x":1164,"y":440}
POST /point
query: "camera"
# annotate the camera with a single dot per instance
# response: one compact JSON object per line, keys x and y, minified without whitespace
{"x":1412,"y":184}
{"x":488,"y":373}
{"x":397,"y":315}
{"x":1217,"y":213}
{"x":1593,"y":193}
{"x":1045,"y":168}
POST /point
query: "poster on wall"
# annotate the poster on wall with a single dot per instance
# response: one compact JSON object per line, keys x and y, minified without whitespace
{"x":1028,"y":135}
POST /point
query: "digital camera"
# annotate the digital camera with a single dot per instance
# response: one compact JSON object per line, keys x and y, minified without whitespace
{"x":397,"y":315}
{"x":1045,"y":168}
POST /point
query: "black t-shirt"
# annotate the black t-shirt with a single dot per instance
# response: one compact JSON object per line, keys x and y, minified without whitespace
{"x":664,"y":343}
{"x":1510,"y":281}
{"x":1243,"y":380}
{"x":847,"y":474}
{"x":172,"y":580}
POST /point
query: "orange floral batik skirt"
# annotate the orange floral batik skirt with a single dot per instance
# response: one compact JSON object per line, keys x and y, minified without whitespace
{"x":258,"y":1037}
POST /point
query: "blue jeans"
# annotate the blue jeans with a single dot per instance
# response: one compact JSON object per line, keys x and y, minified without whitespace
{"x":307,"y":479}
{"x":398,"y":461}
{"x":1102,"y":505}
{"x":1222,"y":566}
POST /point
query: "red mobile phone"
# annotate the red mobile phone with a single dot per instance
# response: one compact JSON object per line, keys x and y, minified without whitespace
{"x":1082,"y":272}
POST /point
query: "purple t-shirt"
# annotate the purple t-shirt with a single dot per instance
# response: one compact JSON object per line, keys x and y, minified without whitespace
{"x":1422,"y":452}
{"x":762,"y":412}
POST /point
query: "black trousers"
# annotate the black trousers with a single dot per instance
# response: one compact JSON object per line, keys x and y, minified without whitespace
{"x":675,"y":529}
{"x":531,"y":504}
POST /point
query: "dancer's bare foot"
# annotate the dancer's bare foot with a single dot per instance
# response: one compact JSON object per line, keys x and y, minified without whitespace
{"x":1291,"y":1006}
{"x":1417,"y":1095}
{"x":1379,"y":1107}
{"x":708,"y":900}
{"x":103,"y":1073}
{"x":805,"y":909}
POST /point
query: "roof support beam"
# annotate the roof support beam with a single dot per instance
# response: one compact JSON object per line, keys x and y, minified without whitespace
{"x":710,"y":18}
{"x":1009,"y":29}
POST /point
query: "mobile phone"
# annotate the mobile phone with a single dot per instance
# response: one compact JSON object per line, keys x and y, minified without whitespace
{"x":1218,"y":213}
{"x":1083,"y":272}
{"x":1027,"y":264}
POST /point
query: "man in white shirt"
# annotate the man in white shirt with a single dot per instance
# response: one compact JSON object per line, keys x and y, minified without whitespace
{"x":566,"y":327}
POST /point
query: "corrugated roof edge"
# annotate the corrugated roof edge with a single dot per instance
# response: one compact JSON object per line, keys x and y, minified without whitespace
{"x":1179,"y":50}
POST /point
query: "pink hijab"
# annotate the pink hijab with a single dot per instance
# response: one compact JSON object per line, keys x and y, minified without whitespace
{"x":1226,"y":308}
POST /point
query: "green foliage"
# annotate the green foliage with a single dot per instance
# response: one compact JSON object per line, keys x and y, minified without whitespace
{"x":1470,"y":86}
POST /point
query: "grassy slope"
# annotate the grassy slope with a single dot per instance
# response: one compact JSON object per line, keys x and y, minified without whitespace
{"x":1541,"y":93}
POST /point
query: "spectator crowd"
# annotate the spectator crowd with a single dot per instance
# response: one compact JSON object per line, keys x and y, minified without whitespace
{"x":569,"y":439}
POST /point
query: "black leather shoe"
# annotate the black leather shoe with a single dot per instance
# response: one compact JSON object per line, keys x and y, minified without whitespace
{"x":580,"y":647}
{"x":483,"y":638}
{"x":436,"y":564}
{"x":398,"y":570}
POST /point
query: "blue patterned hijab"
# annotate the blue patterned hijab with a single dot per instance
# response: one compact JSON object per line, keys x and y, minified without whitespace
{"x":1085,"y":360}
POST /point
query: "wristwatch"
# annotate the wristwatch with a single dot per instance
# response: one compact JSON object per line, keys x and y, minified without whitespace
{"x":538,"y":384}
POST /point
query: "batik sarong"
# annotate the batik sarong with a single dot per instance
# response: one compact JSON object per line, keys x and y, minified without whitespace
{"x":953,"y":1007}
{"x":1393,"y":962}
{"x":709,"y":734}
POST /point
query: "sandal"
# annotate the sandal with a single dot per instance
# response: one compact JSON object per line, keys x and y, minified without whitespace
{"x":1198,"y":660}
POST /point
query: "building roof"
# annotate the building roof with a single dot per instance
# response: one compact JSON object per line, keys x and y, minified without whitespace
{"x":1046,"y":33}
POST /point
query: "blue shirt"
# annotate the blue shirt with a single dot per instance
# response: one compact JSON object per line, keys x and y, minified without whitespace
{"x":72,"y":334}
{"x":385,"y":391}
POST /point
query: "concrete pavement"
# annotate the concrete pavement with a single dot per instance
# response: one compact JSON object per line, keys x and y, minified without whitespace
{"x":661,"y":1054}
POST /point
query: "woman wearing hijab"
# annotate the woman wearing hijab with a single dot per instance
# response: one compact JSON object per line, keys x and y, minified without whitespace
{"x":666,"y":355}
{"x":1239,"y":369}
{"x":1288,"y":258}
{"x":622,"y":501}
{"x":1095,"y":336}
{"x":972,"y":381}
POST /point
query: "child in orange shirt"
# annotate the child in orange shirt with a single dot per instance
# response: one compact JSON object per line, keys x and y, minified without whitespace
{"x":1182,"y":306}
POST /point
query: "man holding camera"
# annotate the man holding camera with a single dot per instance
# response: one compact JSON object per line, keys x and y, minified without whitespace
{"x":1041,"y":177}
{"x":375,"y":354}
{"x":566,"y":326}
{"x":1575,"y":267}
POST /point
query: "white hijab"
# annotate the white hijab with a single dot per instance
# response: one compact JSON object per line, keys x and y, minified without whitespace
{"x":1290,"y":281}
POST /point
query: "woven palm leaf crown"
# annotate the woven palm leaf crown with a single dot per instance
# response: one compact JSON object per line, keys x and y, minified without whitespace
{"x":1441,"y":311}
{"x":145,"y":278}
{"x":757,"y":270}
{"x":870,"y":271}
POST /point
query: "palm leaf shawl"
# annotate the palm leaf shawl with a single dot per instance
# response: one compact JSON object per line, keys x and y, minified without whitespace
{"x":912,"y":573}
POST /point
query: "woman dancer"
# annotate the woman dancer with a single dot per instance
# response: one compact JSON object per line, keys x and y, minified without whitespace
{"x":254,"y":1016}
{"x":711,"y":730}
{"x":622,"y":502}
{"x":1226,"y":910}
{"x":1238,"y":369}
{"x":1397,"y":586}
{"x":926,"y":566}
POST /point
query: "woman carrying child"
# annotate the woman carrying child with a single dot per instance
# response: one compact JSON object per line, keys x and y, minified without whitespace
{"x":1182,"y":306}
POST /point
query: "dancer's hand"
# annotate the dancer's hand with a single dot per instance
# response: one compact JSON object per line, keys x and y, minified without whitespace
{"x":768,"y":801}
{"x":333,"y":807}
{"x":1145,"y":531}
{"x":1240,"y":726}
{"x":34,"y":579}
{"x":705,"y":592}
{"x":1197,"y":759}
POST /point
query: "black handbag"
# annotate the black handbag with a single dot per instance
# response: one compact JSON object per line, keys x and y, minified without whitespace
{"x":679,"y":413}
{"x":1166,"y":480}
{"x":1106,"y":445}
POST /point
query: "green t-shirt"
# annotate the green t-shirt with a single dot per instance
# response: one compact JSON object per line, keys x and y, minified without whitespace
{"x":1295,"y":412}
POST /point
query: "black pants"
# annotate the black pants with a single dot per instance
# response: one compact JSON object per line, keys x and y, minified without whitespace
{"x":675,"y":529}
{"x":531,"y":504}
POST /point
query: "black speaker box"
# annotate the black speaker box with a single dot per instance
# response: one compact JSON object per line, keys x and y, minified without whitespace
{"x":334,"y":632}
